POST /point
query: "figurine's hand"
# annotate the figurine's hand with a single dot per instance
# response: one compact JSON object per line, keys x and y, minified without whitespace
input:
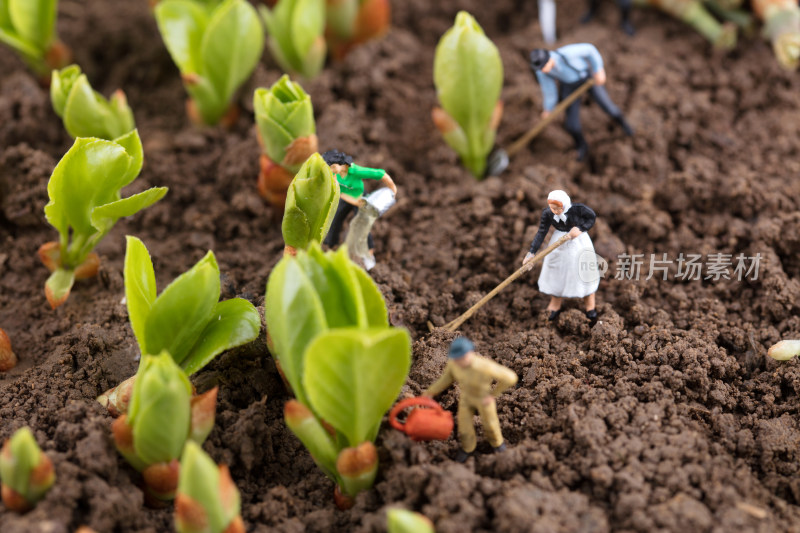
{"x":600,"y":77}
{"x":574,"y":232}
{"x":545,"y":114}
{"x":528,"y":257}
{"x":362,"y":202}
{"x":487,"y":401}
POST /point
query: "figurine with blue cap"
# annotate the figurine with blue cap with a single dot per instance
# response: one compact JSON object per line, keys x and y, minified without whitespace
{"x":474,"y":375}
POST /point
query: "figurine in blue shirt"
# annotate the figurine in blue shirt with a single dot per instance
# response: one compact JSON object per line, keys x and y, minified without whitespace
{"x":561,"y":72}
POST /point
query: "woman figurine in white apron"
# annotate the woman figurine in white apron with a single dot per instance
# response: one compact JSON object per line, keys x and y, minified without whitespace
{"x":569,"y":271}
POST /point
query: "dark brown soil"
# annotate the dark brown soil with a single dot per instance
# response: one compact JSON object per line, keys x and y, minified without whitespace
{"x":662,"y":417}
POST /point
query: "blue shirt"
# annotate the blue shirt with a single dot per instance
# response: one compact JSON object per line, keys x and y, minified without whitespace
{"x":573,"y":63}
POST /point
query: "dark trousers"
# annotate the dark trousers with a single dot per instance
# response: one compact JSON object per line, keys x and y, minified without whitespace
{"x":343,"y":211}
{"x":624,"y":8}
{"x":572,"y":122}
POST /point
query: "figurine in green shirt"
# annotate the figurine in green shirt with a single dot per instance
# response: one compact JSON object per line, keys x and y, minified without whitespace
{"x":351,"y":183}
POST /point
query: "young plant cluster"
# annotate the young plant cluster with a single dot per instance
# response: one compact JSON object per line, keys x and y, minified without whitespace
{"x":329,"y":331}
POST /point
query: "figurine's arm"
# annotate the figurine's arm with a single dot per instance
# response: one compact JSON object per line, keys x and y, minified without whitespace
{"x":505,"y":378}
{"x":549,"y":91}
{"x":595,"y":60}
{"x":389,"y":182}
{"x":544,"y":225}
{"x":441,"y":384}
{"x":586,"y":218}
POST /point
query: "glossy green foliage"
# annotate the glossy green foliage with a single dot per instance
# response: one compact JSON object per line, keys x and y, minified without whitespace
{"x":28,"y":26}
{"x":311,"y":293}
{"x":85,"y":198}
{"x":285,"y":120}
{"x":296,"y":31}
{"x":186,"y":319}
{"x":84,"y":111}
{"x":216,"y":49}
{"x":353,"y":376}
{"x":468,"y":75}
{"x":311,"y":202}
{"x":160,"y":410}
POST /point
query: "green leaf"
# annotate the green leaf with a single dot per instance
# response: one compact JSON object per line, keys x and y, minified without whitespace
{"x":294,"y":316}
{"x":284,"y":113}
{"x":90,"y":174}
{"x":59,"y":283}
{"x":133,"y":146}
{"x":231,"y":47}
{"x":311,"y":202}
{"x":34,"y":20}
{"x":61,"y":83}
{"x":341,"y":17}
{"x":233,"y":323}
{"x":182,"y":24}
{"x":183,"y":310}
{"x":374,"y":304}
{"x":200,"y":480}
{"x":140,"y":287}
{"x":24,"y":48}
{"x":104,"y":217}
{"x":353,"y":376}
{"x":24,"y":456}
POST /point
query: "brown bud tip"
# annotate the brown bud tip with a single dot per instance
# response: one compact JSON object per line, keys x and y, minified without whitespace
{"x":204,"y":409}
{"x":444,"y":122}
{"x":343,"y":501}
{"x":89,"y":268}
{"x":50,"y":254}
{"x":123,"y":434}
{"x":120,"y":97}
{"x":58,"y":56}
{"x":190,"y":78}
{"x":295,"y":412}
{"x":291,"y":251}
{"x":189,"y":514}
{"x":43,"y":475}
{"x":273,"y":182}
{"x":354,"y":462}
{"x":8,"y":359}
{"x":162,"y":479}
{"x":228,"y":120}
{"x":13,"y":500}
{"x":227,"y":488}
{"x":85,"y":529}
{"x":236,"y":526}
{"x":497,"y":116}
{"x":117,"y":399}
{"x":372,"y":20}
{"x":51,"y":298}
{"x":300,"y":150}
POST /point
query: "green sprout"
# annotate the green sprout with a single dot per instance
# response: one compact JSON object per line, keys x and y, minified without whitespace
{"x":287,"y":134}
{"x":695,"y":14}
{"x":402,"y":521}
{"x":28,"y":26}
{"x":468,"y":75}
{"x":25,"y":471}
{"x":782,"y":28}
{"x":187,"y":320}
{"x":207,"y":500}
{"x":310,"y":205}
{"x":84,"y":111}
{"x":329,"y":331}
{"x":85,"y":203}
{"x":353,"y":22}
{"x":162,"y":417}
{"x":215,"y":47}
{"x":296,"y":31}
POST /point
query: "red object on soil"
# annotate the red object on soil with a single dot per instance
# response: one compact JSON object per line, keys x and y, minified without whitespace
{"x":432,"y":423}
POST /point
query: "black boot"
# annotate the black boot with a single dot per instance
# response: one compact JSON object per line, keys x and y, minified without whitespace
{"x":553,"y":315}
{"x":625,"y":126}
{"x":626,"y":24}
{"x":462,"y":456}
{"x":592,"y":316}
{"x":583,"y":149}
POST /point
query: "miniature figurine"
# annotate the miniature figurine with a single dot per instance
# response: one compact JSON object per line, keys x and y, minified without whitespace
{"x":571,"y":66}
{"x":570,"y":271}
{"x":351,"y":182}
{"x":624,"y":11}
{"x":474,"y":375}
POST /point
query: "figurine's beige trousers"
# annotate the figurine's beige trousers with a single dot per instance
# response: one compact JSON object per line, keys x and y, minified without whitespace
{"x":466,"y":428}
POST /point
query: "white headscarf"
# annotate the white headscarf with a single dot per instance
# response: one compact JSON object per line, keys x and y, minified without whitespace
{"x":560,"y":196}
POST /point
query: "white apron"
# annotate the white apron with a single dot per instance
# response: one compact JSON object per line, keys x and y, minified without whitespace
{"x":570,"y":271}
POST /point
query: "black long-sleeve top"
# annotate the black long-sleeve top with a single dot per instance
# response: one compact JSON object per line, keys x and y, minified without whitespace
{"x":579,"y":216}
